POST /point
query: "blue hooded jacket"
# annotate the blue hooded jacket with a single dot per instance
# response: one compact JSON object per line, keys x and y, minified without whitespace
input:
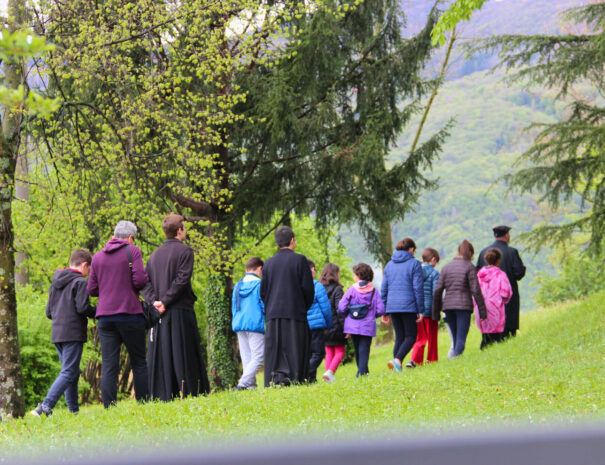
{"x":247,"y":307}
{"x":430,"y":276}
{"x":319,"y":315}
{"x":402,"y":284}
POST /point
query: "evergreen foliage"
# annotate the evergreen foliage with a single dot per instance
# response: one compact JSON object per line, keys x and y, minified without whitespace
{"x":567,"y":158}
{"x":231,"y":113}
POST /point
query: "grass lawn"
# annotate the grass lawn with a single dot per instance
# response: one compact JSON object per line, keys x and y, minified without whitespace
{"x":553,"y":372}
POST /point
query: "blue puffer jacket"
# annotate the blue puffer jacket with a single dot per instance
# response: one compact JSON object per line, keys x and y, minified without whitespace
{"x":319,"y":315}
{"x":430,"y":276}
{"x":247,"y":307}
{"x":402,"y":284}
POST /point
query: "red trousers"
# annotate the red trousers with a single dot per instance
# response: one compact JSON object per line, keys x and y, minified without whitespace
{"x":427,"y":333}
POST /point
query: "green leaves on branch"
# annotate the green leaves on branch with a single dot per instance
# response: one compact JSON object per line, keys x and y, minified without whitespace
{"x":566,"y":161}
{"x":15,"y":46}
{"x":460,"y":10}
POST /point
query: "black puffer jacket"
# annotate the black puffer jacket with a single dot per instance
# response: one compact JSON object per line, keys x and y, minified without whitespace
{"x":68,"y":306}
{"x":335,"y":335}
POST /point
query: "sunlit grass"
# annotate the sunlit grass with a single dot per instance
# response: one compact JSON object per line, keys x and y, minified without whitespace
{"x":552,"y":372}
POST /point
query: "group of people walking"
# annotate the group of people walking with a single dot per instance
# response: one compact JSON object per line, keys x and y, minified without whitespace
{"x":284,"y":318}
{"x":309,"y":319}
{"x":170,"y":365}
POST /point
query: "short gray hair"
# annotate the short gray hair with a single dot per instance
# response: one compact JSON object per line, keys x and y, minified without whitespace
{"x":125,"y":229}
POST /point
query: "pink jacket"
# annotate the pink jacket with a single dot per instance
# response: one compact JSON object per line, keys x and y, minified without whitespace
{"x":496,"y":291}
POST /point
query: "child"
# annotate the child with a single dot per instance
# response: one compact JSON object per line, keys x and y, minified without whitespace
{"x":496,"y":291}
{"x":68,"y":307}
{"x":427,"y":328}
{"x":363,"y":305}
{"x":319,"y":317}
{"x":249,"y":322}
{"x":335,"y":337}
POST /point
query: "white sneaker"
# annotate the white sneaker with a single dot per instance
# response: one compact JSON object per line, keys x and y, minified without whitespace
{"x":328,"y":376}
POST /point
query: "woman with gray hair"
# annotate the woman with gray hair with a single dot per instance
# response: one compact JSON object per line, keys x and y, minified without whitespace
{"x":116,"y":277}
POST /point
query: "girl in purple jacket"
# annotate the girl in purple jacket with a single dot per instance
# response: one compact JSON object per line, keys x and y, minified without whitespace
{"x":362,"y":305}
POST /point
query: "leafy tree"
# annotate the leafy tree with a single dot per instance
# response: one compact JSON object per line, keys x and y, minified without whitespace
{"x":459,"y":10}
{"x":232,"y":113}
{"x":567,"y":159}
{"x":17,"y":100}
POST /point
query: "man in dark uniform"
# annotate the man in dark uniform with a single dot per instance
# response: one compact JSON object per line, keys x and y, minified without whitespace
{"x":512,"y":265}
{"x":287,"y":290}
{"x":174,"y":358}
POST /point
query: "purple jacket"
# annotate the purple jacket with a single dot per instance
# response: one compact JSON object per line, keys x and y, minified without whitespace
{"x":113,"y":282}
{"x":362,"y":294}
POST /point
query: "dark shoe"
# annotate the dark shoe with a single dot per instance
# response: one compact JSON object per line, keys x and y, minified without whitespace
{"x":41,"y":410}
{"x":411,"y":364}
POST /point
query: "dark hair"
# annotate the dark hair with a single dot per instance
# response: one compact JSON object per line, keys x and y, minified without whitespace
{"x":253,"y":263}
{"x":363,"y":271}
{"x":311,"y":263}
{"x":79,"y":256}
{"x":283,"y":236}
{"x":428,"y":254}
{"x":171,"y":225}
{"x":405,"y":244}
{"x":330,"y":274}
{"x":466,"y":250}
{"x":492,"y":256}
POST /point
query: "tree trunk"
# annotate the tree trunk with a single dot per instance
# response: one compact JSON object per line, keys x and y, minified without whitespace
{"x":21,"y":193}
{"x":12,"y":403}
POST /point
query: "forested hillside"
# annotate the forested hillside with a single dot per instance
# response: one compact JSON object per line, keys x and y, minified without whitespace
{"x":488,"y":134}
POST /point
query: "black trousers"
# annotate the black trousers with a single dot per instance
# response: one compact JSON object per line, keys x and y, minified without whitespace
{"x":488,"y":339}
{"x":287,"y":350}
{"x":362,"y":346}
{"x":112,"y":335}
{"x":318,"y":352}
{"x":406,"y":330}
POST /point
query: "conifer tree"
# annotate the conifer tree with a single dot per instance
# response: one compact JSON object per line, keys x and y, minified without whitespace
{"x":567,"y":159}
{"x":233,"y":113}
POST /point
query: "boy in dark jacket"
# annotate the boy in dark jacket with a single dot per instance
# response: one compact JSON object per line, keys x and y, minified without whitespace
{"x":68,"y":307}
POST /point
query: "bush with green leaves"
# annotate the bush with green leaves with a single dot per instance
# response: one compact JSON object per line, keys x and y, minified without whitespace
{"x":577,"y":275}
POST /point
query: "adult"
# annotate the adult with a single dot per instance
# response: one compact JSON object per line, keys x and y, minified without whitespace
{"x":402,"y":293}
{"x":176,"y":366}
{"x":287,"y":290}
{"x":116,"y":277}
{"x":459,"y":281}
{"x":512,"y":265}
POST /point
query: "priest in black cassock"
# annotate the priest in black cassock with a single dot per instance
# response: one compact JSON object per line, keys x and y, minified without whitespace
{"x":287,"y":290}
{"x":512,"y":265}
{"x":174,"y":357}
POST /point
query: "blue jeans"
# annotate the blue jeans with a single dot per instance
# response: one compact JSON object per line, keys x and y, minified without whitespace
{"x":459,"y":322}
{"x":362,"y":346}
{"x":70,"y":354}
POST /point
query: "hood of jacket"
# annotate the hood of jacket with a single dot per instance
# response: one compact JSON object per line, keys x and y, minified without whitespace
{"x":63,"y":277}
{"x":113,"y":245}
{"x":401,"y":256}
{"x":364,"y":287}
{"x":247,"y":286}
{"x":487,"y":273}
{"x":427,"y":270}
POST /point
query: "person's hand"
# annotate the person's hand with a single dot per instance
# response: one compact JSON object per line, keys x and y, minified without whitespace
{"x":160,"y":306}
{"x":386,"y":319}
{"x":420,"y":318}
{"x":347,"y":336}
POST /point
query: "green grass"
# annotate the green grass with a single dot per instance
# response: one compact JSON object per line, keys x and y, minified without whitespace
{"x":552,"y":372}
